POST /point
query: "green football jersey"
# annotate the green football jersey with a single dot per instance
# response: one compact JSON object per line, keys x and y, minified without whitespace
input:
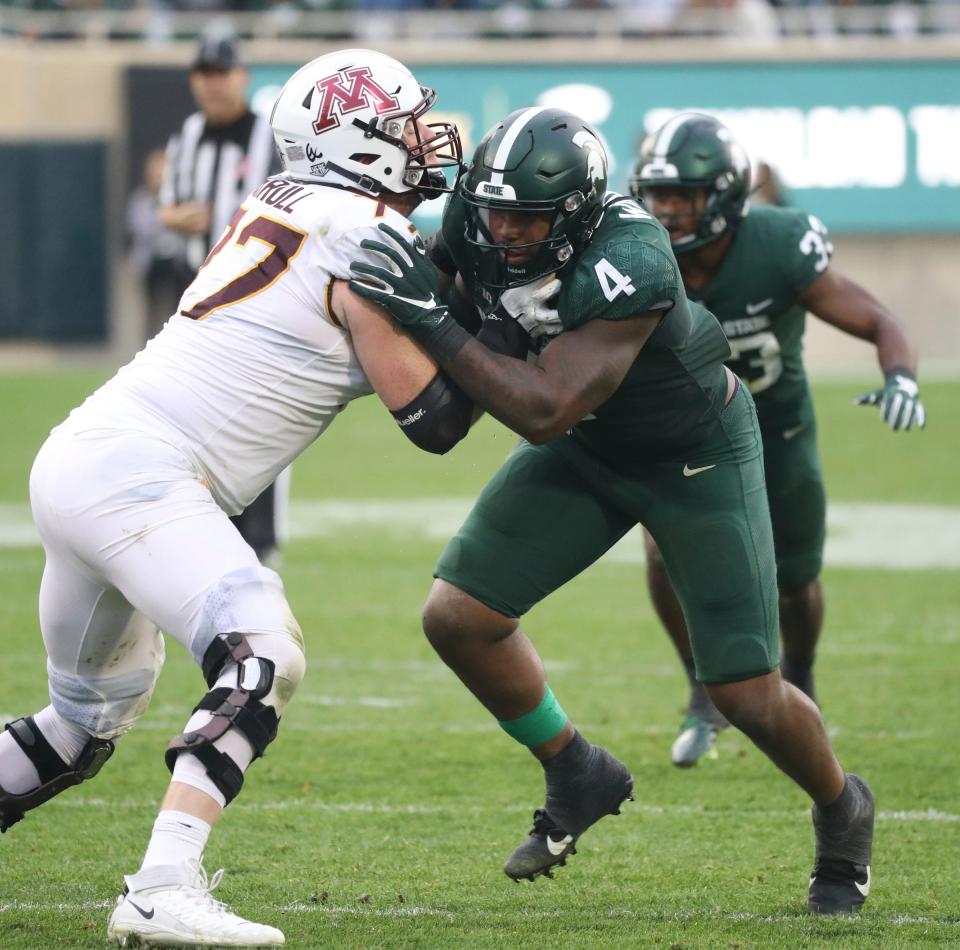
{"x":776,"y":254}
{"x":671,"y":397}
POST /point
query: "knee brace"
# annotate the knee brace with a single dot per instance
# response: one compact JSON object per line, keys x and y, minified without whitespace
{"x":55,"y":774}
{"x":251,"y":707}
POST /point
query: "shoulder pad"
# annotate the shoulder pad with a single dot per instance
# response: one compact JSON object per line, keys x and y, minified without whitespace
{"x":627,"y":269}
{"x":357,"y":221}
{"x":796,"y":243}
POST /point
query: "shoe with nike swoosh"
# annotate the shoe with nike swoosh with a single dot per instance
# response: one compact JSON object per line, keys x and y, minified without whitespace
{"x":840,"y":881}
{"x":584,"y":783}
{"x":172,"y":906}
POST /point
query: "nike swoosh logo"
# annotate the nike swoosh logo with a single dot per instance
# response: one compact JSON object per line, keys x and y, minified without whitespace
{"x":428,"y":304}
{"x":754,"y":308}
{"x":796,"y":430}
{"x":558,"y":847}
{"x":141,"y":911}
{"x":865,"y":887}
{"x":696,"y":471}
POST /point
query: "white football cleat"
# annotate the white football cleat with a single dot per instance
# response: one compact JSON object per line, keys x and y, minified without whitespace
{"x":172,"y":906}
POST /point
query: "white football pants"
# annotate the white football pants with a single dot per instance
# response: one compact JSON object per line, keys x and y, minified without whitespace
{"x":136,"y":544}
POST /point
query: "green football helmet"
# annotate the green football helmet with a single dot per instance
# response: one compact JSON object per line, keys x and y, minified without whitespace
{"x":536,"y":160}
{"x":696,"y":151}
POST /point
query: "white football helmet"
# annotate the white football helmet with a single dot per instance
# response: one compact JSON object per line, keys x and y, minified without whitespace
{"x":340,"y":121}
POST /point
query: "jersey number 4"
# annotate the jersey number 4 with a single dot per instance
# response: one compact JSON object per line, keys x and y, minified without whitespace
{"x":612,"y":282}
{"x":283,"y":242}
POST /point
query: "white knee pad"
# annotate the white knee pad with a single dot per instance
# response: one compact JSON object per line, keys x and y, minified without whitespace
{"x":251,"y":600}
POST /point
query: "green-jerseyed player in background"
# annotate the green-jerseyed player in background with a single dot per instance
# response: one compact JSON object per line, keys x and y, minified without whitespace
{"x":759,"y":270}
{"x":629,"y":416}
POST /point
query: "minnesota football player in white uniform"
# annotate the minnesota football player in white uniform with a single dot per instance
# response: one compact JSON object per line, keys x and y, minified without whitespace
{"x":132,"y":493}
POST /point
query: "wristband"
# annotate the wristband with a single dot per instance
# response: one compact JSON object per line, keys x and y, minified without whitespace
{"x":898,"y":371}
{"x":444,"y":338}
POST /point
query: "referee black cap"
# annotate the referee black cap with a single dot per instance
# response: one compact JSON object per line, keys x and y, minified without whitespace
{"x":217,"y":54}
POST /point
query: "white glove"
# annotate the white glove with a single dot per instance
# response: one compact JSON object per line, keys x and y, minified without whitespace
{"x":899,"y":401}
{"x":527,"y":305}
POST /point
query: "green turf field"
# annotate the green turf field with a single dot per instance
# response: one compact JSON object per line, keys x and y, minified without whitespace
{"x":382,"y":814}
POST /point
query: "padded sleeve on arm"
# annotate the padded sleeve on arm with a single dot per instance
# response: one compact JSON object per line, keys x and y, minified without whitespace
{"x":438,"y":418}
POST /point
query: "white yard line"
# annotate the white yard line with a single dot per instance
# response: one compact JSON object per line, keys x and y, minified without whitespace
{"x":885,"y":536}
{"x":930,"y":815}
{"x":625,"y":913}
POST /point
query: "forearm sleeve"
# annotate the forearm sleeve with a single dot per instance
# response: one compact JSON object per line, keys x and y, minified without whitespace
{"x":438,"y":418}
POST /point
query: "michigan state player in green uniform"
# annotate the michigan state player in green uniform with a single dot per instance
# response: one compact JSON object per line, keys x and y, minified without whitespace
{"x":760,"y":270}
{"x":629,"y":416}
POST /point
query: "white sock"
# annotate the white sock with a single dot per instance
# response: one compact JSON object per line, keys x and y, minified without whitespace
{"x":177,"y":837}
{"x":18,"y":774}
{"x":68,"y":740}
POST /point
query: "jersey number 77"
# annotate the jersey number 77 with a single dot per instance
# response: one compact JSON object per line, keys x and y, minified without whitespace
{"x":283,"y":243}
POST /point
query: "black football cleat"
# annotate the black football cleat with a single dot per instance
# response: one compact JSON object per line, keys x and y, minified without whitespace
{"x":838,"y":887}
{"x":584,"y":783}
{"x":840,"y":881}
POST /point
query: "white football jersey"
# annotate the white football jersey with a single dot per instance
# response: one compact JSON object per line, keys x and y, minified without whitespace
{"x":254,"y":365}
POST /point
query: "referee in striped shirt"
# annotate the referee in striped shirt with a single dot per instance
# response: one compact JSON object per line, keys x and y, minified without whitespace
{"x":219,"y":155}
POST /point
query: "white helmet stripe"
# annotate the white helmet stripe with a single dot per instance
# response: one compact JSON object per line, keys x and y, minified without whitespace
{"x":509,"y":137}
{"x":661,"y":148}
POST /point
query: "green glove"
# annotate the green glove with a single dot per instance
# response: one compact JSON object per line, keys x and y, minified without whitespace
{"x":899,"y":401}
{"x":406,"y":285}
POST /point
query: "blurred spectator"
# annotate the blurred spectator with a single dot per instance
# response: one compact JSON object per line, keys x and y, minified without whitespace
{"x":759,"y":21}
{"x":154,"y":250}
{"x":220,"y":154}
{"x":767,"y":187}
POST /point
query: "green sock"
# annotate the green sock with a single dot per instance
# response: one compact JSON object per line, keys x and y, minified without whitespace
{"x":539,"y":725}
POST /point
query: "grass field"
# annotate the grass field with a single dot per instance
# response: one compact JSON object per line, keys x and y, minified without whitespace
{"x":382,"y":814}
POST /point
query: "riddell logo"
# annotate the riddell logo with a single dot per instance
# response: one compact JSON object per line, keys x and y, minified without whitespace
{"x":412,"y":418}
{"x":339,"y":99}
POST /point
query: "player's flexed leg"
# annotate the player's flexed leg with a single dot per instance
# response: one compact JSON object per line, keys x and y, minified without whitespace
{"x":132,"y":493}
{"x":494,"y":659}
{"x":145,"y":516}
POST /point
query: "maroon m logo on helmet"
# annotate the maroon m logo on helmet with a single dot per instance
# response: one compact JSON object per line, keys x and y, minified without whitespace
{"x":340,"y":98}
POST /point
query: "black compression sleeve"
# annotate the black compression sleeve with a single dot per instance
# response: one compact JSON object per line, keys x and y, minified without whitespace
{"x":464,"y":312}
{"x":504,"y":335}
{"x":438,"y":418}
